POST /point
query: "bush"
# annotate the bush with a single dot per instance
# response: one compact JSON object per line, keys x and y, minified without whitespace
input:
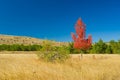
{"x":54,"y":56}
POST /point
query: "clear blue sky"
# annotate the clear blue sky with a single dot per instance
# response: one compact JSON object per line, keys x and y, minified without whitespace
{"x":55,"y":19}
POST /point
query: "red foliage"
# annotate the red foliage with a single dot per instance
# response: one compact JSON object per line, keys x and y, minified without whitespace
{"x":80,"y":42}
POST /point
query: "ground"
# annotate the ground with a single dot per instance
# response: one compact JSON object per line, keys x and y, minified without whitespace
{"x":27,"y":66}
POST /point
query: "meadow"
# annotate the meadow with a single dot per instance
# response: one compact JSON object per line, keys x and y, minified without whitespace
{"x":27,"y":66}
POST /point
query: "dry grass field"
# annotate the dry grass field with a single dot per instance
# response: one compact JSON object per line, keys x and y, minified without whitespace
{"x":28,"y":67}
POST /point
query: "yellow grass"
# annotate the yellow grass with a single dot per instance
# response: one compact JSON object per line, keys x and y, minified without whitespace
{"x":28,"y":67}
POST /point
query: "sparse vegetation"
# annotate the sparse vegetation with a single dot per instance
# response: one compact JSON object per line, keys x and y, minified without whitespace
{"x":23,"y":40}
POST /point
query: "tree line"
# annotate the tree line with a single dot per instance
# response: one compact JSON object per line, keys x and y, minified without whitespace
{"x":100,"y":47}
{"x":111,"y":47}
{"x":17,"y":47}
{"x":46,"y":46}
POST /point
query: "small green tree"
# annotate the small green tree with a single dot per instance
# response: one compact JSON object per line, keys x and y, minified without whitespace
{"x":47,"y":45}
{"x":114,"y":46}
{"x":60,"y":55}
{"x":108,"y":50}
{"x":99,"y":47}
{"x":70,"y":47}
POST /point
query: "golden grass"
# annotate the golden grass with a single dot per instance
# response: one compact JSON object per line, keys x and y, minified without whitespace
{"x":28,"y":67}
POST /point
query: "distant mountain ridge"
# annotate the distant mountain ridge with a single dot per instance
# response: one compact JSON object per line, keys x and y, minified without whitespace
{"x":11,"y":39}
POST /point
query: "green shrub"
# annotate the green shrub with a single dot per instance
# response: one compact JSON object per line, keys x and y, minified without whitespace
{"x":54,"y":56}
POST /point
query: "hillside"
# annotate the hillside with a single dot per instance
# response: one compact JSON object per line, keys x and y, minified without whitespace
{"x":10,"y":39}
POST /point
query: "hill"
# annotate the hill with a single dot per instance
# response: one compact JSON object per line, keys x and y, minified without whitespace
{"x":10,"y":39}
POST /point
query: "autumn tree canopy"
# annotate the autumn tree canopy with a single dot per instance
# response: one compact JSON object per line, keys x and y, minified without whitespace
{"x":80,"y":40}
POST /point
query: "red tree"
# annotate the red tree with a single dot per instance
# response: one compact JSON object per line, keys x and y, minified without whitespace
{"x":80,"y":41}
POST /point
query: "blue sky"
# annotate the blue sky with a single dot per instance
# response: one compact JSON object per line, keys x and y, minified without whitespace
{"x":55,"y":19}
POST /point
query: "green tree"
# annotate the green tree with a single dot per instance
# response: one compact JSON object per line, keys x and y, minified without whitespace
{"x":47,"y":45}
{"x":114,"y":46}
{"x":99,"y":47}
{"x":70,"y":47}
{"x":108,"y":50}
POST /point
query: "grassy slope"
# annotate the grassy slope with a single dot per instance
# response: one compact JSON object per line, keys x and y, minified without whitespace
{"x":10,"y":39}
{"x":28,"y":67}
